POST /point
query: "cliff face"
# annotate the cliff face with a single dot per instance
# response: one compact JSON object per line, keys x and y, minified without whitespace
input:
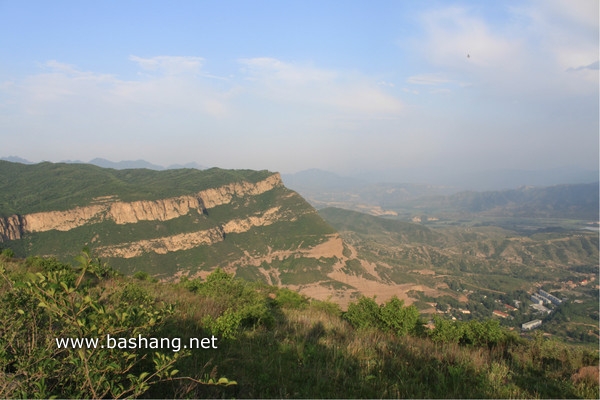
{"x":136,"y":234}
{"x":15,"y":226}
{"x":246,"y":222}
{"x":11,"y":228}
{"x":188,"y":241}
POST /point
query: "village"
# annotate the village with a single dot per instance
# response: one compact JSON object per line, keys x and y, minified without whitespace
{"x":527,"y":311}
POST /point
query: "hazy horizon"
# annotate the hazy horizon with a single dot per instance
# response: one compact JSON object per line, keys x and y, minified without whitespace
{"x":436,"y":88}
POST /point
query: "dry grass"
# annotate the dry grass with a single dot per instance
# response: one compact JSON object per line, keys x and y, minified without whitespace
{"x":587,"y":375}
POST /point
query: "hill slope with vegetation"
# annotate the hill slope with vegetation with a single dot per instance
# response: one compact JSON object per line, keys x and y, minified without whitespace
{"x":168,"y":223}
{"x":470,"y":271}
{"x":269,"y":342}
{"x":182,"y":223}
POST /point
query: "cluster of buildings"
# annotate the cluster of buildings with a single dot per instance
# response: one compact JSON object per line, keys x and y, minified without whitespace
{"x":546,"y":298}
{"x":539,"y":299}
{"x":542,"y":297}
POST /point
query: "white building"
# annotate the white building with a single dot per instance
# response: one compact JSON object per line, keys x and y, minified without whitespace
{"x":541,"y":308}
{"x":527,"y":326}
{"x":549,"y":297}
{"x":537,"y":299}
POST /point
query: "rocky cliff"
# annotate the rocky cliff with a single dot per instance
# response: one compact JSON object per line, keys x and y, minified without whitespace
{"x":14,"y":226}
{"x":180,"y":223}
{"x":11,"y":228}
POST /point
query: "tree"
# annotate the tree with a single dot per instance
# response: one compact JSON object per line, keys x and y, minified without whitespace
{"x":400,"y":319}
{"x":364,"y":314}
{"x":392,"y":316}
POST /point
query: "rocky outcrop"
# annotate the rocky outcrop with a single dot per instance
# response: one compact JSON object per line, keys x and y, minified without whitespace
{"x":163,"y":245}
{"x":15,"y":226}
{"x":244,"y":224}
{"x":62,"y":220}
{"x":224,"y":194}
{"x":11,"y":228}
{"x":159,"y":210}
{"x":187,"y":241}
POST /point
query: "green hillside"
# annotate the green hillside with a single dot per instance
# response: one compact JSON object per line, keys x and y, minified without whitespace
{"x":258,"y":341}
{"x":54,"y":186}
{"x":393,"y":230}
{"x":469,"y":271}
{"x":165,"y":223}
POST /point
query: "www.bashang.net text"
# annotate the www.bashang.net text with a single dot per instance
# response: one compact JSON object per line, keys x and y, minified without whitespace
{"x":139,"y":342}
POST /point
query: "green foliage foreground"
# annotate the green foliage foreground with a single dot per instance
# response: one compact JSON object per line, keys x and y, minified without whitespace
{"x":273,"y":342}
{"x":57,"y":302}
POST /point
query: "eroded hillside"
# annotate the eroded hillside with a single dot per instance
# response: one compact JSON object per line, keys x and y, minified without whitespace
{"x":246,"y":222}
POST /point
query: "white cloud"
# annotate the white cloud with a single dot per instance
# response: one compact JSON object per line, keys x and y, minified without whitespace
{"x":65,"y":112}
{"x":175,"y":86}
{"x":579,"y":13}
{"x":566,"y":30}
{"x":306,"y":84}
{"x":270,"y":69}
{"x":387,"y":84}
{"x":458,"y":39}
{"x":174,"y":109}
{"x":427,"y":79}
{"x":411,"y":91}
{"x":170,"y":65}
{"x":536,"y":50}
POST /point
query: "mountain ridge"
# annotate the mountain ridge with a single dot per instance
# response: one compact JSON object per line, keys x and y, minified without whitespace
{"x":130,"y":212}
{"x":124,"y":164}
{"x":180,"y":223}
{"x":407,"y":201}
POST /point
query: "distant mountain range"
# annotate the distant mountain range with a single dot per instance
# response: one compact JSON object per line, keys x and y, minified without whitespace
{"x":128,"y":164}
{"x":325,"y":189}
{"x":559,"y":193}
{"x":482,"y":179}
{"x":576,"y":201}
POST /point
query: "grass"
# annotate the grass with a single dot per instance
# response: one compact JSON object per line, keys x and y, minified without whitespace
{"x":306,"y":349}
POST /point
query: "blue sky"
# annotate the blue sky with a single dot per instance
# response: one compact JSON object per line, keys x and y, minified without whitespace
{"x":286,"y":86}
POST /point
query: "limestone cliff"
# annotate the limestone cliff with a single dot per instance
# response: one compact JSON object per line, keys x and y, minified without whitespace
{"x":187,"y":241}
{"x":13,"y":227}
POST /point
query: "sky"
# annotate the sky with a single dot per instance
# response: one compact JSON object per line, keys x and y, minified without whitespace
{"x":345,"y":86}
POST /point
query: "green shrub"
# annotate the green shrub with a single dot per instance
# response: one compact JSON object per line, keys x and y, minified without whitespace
{"x":392,"y":316}
{"x":42,"y":311}
{"x":398,"y":318}
{"x":49,"y":306}
{"x":364,"y":314}
{"x":289,"y":299}
{"x":141,"y":275}
{"x":473,"y":333}
{"x":446,"y":331}
{"x":7,"y":253}
{"x":486,"y":333}
{"x":243,"y":303}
